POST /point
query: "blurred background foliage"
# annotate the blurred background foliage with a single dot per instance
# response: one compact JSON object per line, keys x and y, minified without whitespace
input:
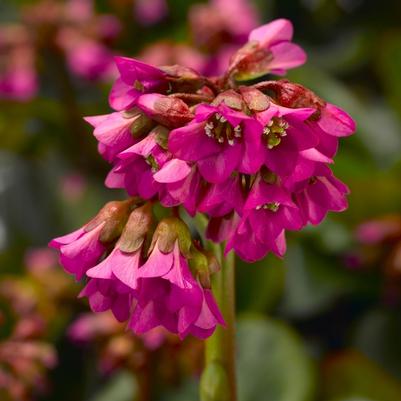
{"x":319,"y":325}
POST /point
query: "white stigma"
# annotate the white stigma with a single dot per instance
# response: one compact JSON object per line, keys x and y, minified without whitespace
{"x":231,"y":142}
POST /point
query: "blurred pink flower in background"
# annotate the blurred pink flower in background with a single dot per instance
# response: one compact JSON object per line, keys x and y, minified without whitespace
{"x":169,"y":53}
{"x":40,"y":259}
{"x":219,"y":28}
{"x":73,"y":186}
{"x":149,"y":12}
{"x":18,"y":80}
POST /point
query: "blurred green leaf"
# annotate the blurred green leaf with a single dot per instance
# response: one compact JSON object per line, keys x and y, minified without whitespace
{"x":188,"y":391}
{"x":121,"y":387}
{"x":351,"y":374}
{"x":315,"y":280}
{"x":273,"y":364}
{"x":377,"y":335}
{"x":260,"y":284}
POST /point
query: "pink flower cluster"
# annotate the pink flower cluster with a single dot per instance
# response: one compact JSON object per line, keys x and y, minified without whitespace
{"x":254,"y":159}
{"x":146,"y":286}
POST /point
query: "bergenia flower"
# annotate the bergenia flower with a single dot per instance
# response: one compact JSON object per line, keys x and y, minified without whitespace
{"x":268,"y":211}
{"x":136,"y":78}
{"x":113,"y":282}
{"x":275,"y":39}
{"x":269,"y":50}
{"x":319,"y":194}
{"x":83,"y":248}
{"x":137,"y":165}
{"x":285,"y":135}
{"x":169,"y":295}
{"x":117,"y":131}
{"x":220,"y":140}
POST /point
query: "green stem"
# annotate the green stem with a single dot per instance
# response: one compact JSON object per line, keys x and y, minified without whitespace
{"x":218,"y":382}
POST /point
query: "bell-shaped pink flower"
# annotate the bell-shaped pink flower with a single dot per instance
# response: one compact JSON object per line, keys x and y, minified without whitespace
{"x":221,"y":199}
{"x":268,"y":211}
{"x":170,"y":296}
{"x":83,"y":248}
{"x":79,"y":250}
{"x":109,"y":294}
{"x":137,"y":165}
{"x":136,"y":78}
{"x":113,"y":131}
{"x":182,"y":185}
{"x":275,"y":39}
{"x":320,"y":193}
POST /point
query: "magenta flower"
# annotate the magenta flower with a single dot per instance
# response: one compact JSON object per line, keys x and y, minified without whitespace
{"x":79,"y":250}
{"x":182,"y":185}
{"x":113,"y":131}
{"x":83,"y":248}
{"x":220,"y":140}
{"x":221,"y":199}
{"x":169,"y":296}
{"x":268,"y":211}
{"x":335,"y":121}
{"x":286,"y":135}
{"x":137,"y":165}
{"x":136,"y":78}
{"x":275,"y":39}
{"x":320,"y":193}
{"x":119,"y":265}
{"x":104,"y":295}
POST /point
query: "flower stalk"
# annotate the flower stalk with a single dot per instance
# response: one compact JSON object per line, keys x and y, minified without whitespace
{"x":218,"y":382}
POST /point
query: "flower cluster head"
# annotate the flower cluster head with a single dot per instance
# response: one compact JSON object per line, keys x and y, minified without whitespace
{"x":253,"y":158}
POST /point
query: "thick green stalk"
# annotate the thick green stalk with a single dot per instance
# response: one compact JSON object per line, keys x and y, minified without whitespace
{"x":218,"y":382}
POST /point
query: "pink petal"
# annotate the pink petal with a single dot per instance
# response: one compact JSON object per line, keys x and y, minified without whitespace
{"x":286,"y":55}
{"x":336,"y":121}
{"x":273,"y":32}
{"x":173,"y":171}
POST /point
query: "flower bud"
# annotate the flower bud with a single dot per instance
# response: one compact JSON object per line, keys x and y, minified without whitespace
{"x":114,"y":215}
{"x":203,"y":264}
{"x":254,"y":99}
{"x":136,"y":229}
{"x":168,"y":111}
{"x":168,"y":232}
{"x":231,"y":98}
{"x":296,"y":96}
{"x":141,"y":123}
{"x":183,"y":79}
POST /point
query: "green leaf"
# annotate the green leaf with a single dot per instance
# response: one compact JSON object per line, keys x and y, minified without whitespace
{"x":121,"y":387}
{"x":273,"y":364}
{"x":260,"y":284}
{"x":351,"y":374}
